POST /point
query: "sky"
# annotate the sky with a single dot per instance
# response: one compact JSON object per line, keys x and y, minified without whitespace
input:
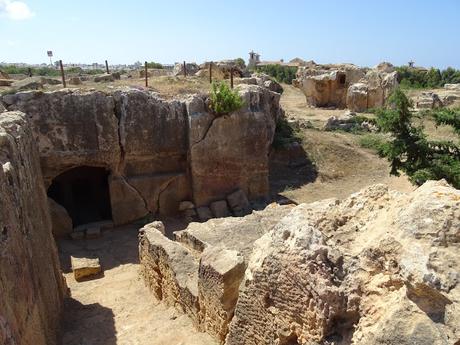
{"x":363,"y":32}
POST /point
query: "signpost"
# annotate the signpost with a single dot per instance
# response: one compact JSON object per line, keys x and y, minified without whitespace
{"x":50,"y":55}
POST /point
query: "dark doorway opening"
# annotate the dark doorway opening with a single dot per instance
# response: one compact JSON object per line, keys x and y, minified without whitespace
{"x":84,"y":193}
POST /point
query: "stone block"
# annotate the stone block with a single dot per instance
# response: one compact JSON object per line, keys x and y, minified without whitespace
{"x":220,"y":209}
{"x":239,"y":203}
{"x":85,"y":267}
{"x":204,"y":213}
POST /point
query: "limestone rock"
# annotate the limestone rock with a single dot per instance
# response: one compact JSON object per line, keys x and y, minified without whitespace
{"x":191,"y":69}
{"x":32,"y":83}
{"x":220,"y":274}
{"x":239,"y":203}
{"x":346,"y":85}
{"x":104,"y":78}
{"x":428,"y":100}
{"x":85,"y":267}
{"x":32,"y":286}
{"x":204,"y":213}
{"x":219,"y":168}
{"x":6,"y":82}
{"x":219,"y":209}
{"x":75,"y":81}
{"x":60,"y":219}
{"x":186,"y":205}
{"x":170,"y":271}
{"x":370,"y":261}
{"x":455,"y":87}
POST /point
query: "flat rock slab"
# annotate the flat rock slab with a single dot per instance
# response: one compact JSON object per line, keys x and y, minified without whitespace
{"x":85,"y":267}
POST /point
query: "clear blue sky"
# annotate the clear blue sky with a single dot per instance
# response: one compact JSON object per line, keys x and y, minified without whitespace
{"x":358,"y":31}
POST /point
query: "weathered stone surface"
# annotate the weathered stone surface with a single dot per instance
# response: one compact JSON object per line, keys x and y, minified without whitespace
{"x":156,"y":225}
{"x":170,"y":271}
{"x":32,"y":287}
{"x":60,"y":219}
{"x":191,"y":69}
{"x":204,"y":213}
{"x":219,"y":209}
{"x":156,"y":152}
{"x":381,"y":262}
{"x":239,"y":203}
{"x":186,"y":205}
{"x":217,"y":167}
{"x":33,"y":83}
{"x":6,"y":82}
{"x":75,"y":81}
{"x":452,"y":87}
{"x":346,"y":85}
{"x":219,"y":277}
{"x":104,"y":78}
{"x":428,"y":100}
{"x":84,"y":268}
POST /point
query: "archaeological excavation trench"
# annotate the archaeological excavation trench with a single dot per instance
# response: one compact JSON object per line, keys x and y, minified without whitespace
{"x":95,"y":173}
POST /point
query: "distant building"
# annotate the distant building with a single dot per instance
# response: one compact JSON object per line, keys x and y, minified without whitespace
{"x":254,"y":61}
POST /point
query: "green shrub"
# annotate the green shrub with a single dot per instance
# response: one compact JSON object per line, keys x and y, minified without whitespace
{"x":285,"y":134}
{"x":282,"y":74}
{"x":154,"y":65}
{"x":410,"y":151}
{"x":224,"y":100}
{"x":414,"y":78}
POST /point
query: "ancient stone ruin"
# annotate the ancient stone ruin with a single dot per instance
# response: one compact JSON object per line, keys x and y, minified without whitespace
{"x":346,"y":85}
{"x":125,"y":155}
{"x":379,"y":267}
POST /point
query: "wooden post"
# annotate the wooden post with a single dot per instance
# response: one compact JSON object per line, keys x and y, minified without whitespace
{"x":185,"y":69}
{"x":210,"y":72}
{"x":146,"y":75}
{"x":62,"y":73}
{"x":107,"y":67}
{"x":231,"y":77}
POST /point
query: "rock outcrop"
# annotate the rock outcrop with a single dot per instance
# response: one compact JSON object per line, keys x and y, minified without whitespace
{"x":379,"y":267}
{"x":32,"y":287}
{"x":346,"y":85}
{"x":428,"y":100}
{"x":156,"y":153}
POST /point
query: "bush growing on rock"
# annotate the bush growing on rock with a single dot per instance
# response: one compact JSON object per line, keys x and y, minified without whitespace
{"x":410,"y":150}
{"x":224,"y":100}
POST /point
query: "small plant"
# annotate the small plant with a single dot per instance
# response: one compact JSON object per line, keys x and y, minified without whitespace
{"x":372,"y":141}
{"x":224,"y":100}
{"x":285,"y":134}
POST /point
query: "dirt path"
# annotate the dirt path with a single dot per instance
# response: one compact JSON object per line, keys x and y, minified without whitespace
{"x":343,"y":167}
{"x":117,"y":309}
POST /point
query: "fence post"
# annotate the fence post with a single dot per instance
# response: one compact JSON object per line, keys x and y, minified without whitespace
{"x":62,"y":73}
{"x":107,"y":67}
{"x":146,"y":75}
{"x":210,"y":72}
{"x":185,"y":69}
{"x":231,"y":77}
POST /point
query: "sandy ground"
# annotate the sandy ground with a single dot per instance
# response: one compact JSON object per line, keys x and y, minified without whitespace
{"x":343,"y":167}
{"x":116,"y":308}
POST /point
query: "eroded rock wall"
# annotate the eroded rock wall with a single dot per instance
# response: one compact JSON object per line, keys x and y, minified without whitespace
{"x":346,"y":85}
{"x":31,"y":283}
{"x":379,"y":267}
{"x":158,"y":152}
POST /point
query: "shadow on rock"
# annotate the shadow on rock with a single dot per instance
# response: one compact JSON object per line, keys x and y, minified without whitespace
{"x":290,"y":168}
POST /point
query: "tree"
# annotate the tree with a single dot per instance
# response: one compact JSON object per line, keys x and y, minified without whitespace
{"x":410,"y":151}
